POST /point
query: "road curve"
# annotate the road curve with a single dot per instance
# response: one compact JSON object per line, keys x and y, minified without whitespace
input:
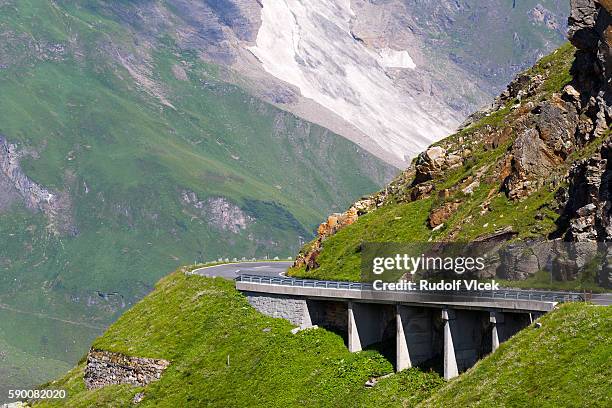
{"x":232,"y":270}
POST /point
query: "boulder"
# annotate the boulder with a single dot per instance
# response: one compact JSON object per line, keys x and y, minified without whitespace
{"x":541,"y":148}
{"x":439,"y":215}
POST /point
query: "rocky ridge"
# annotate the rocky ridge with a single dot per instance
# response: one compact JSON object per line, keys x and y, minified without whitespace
{"x":547,"y":131}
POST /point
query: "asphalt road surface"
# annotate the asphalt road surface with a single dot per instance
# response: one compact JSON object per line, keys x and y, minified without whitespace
{"x":278,"y":268}
{"x":232,"y":270}
{"x":604,"y":299}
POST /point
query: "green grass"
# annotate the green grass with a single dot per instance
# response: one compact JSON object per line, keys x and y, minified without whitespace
{"x":125,"y":158}
{"x":565,"y":363}
{"x":197,"y":322}
{"x":556,"y":67}
{"x":532,"y":216}
{"x":18,"y":367}
{"x":341,"y":259}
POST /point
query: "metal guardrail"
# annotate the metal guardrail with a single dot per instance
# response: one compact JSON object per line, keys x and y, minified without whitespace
{"x":510,"y":294}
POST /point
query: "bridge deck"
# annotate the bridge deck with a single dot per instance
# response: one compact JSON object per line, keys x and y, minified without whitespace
{"x":507,"y":299}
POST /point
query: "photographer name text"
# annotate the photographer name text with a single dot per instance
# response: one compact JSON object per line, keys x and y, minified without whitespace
{"x":423,"y":285}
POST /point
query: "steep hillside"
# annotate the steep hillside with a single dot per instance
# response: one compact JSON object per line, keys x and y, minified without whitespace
{"x":404,"y":73}
{"x":565,"y":363}
{"x":330,"y":61}
{"x":533,"y":166}
{"x":113,"y":170}
{"x":224,"y":353}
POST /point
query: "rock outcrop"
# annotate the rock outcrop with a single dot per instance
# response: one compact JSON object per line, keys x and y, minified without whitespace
{"x":335,"y":222}
{"x":587,"y":212}
{"x":544,"y":145}
{"x":433,"y":162}
{"x":587,"y":209}
{"x":106,"y":368}
{"x":591,"y":32}
{"x":546,"y":122}
{"x":219,"y":212}
{"x":57,"y":206}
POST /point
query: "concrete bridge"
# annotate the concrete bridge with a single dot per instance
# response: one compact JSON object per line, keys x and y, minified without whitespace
{"x":456,"y":329}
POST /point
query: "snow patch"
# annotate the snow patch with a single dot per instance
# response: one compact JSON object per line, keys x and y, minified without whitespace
{"x":396,"y":59}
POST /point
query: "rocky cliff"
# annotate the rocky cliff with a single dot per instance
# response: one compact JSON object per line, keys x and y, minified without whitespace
{"x":535,"y":164}
{"x":587,"y":211}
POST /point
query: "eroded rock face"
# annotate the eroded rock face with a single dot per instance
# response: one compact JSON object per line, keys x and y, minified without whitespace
{"x":587,"y":210}
{"x":583,"y":15}
{"x":106,"y":368}
{"x":16,"y":186}
{"x":591,"y":32}
{"x":541,"y":147}
{"x":218,"y":212}
{"x":580,"y":114}
{"x":589,"y":204}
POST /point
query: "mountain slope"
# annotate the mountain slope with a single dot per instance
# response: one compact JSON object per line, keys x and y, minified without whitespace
{"x":532,"y":166}
{"x":403,"y":73}
{"x":460,"y":194}
{"x":114,"y":169}
{"x":224,"y":353}
{"x":564,"y":363}
{"x":328,"y":59}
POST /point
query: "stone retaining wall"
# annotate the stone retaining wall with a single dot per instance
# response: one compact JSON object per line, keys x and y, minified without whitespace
{"x":107,"y":368}
{"x":292,"y":309}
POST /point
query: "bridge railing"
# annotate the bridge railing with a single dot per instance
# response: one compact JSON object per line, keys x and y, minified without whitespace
{"x":510,"y":294}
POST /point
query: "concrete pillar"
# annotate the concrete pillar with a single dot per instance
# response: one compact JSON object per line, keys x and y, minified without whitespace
{"x":306,"y":316}
{"x":354,"y":343}
{"x":401,"y":352}
{"x":450,"y":361}
{"x":496,"y":319}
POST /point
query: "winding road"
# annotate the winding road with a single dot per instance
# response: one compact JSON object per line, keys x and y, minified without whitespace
{"x":232,"y":270}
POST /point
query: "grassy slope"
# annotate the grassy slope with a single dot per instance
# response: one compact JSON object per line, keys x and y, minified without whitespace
{"x":125,"y":158}
{"x":198,"y":322}
{"x":407,"y":222}
{"x":19,"y":367}
{"x":565,"y":363}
